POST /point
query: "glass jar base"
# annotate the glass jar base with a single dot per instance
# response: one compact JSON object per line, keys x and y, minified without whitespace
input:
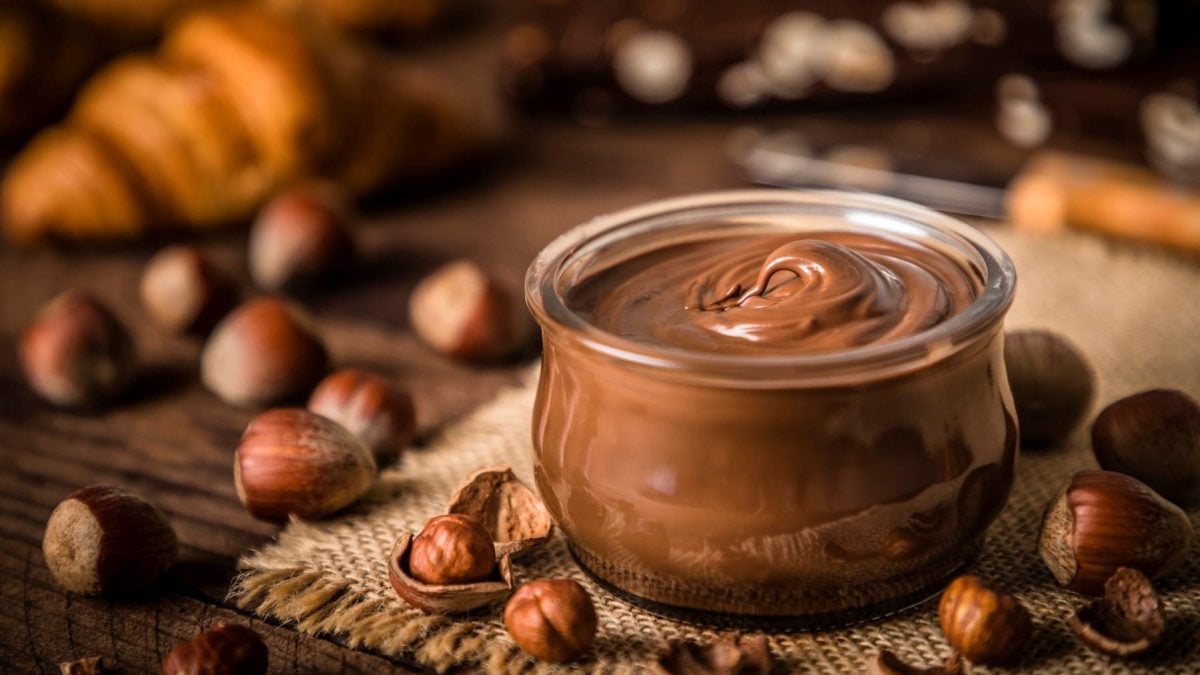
{"x":774,"y":609}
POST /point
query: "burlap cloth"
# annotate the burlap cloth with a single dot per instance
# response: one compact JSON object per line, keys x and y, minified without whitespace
{"x":1133,"y":311}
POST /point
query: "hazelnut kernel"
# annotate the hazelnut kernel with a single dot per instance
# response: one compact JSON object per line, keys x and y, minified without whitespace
{"x":452,"y":549}
{"x":106,"y":540}
{"x":183,"y":292}
{"x":983,"y":622}
{"x":262,"y":353}
{"x":301,"y":236}
{"x":75,"y":354}
{"x":294,"y":462}
{"x":380,"y":415}
{"x":551,"y":619}
{"x":224,"y":649}
{"x":1153,"y":436}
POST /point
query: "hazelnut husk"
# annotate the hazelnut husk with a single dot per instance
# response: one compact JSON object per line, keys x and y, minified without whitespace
{"x":726,"y":655}
{"x":262,"y":353}
{"x":452,"y":549}
{"x":105,"y":540}
{"x":1103,"y":520}
{"x":985,"y":623}
{"x":516,"y":518}
{"x":1153,"y":436}
{"x":368,"y":406}
{"x":301,"y":237}
{"x":446,"y":598}
{"x":552,"y":620}
{"x":461,"y":312}
{"x":887,"y":663}
{"x":75,"y":354}
{"x":182,"y":291}
{"x":1127,"y":620}
{"x":1052,"y":385}
{"x":224,"y":649}
{"x":294,"y":462}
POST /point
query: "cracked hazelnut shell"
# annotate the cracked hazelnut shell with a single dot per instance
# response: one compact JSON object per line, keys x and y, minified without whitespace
{"x":740,"y":655}
{"x":75,"y":354}
{"x":368,"y":406}
{"x":1153,"y":436}
{"x":985,"y":623}
{"x":1103,"y":520}
{"x":294,"y":462}
{"x":182,"y":291}
{"x":516,"y":517}
{"x":1052,"y":385}
{"x":262,"y":353}
{"x":552,"y":620}
{"x":300,"y":237}
{"x":106,"y":540}
{"x":446,"y":598}
{"x":452,"y":549}
{"x":224,"y":649}
{"x":461,"y":312}
{"x":1126,"y":621}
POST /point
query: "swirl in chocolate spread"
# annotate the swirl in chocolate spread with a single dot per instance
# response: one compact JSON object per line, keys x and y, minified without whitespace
{"x":815,"y":292}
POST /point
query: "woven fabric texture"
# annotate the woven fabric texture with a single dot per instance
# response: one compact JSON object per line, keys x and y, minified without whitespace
{"x":1133,"y":311}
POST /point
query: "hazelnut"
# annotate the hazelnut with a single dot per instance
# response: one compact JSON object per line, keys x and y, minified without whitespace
{"x":1051,"y":385}
{"x":262,"y":353}
{"x":1103,"y":520}
{"x":516,"y":518}
{"x":551,"y":619}
{"x":446,"y":598}
{"x":983,"y":622}
{"x":887,"y":663}
{"x":103,"y":539}
{"x":183,"y":292}
{"x":461,"y":312}
{"x":224,"y":649}
{"x":75,"y":353}
{"x":300,"y":237}
{"x":1153,"y":436}
{"x":452,"y":549}
{"x":1127,"y":620}
{"x":734,"y":654}
{"x":92,"y":665}
{"x":294,"y":462}
{"x":380,"y":415}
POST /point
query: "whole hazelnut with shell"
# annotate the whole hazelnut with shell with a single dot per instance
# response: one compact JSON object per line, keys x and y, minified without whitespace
{"x":262,"y":353}
{"x":983,"y":622}
{"x":106,"y":540}
{"x":224,"y":649}
{"x":300,"y":237}
{"x":182,"y":291}
{"x":1052,"y":385}
{"x":452,"y":549}
{"x":294,"y":462}
{"x":75,"y":354}
{"x":461,"y":312}
{"x":1153,"y":436}
{"x":552,"y":620}
{"x":380,"y":415}
{"x":1103,"y":520}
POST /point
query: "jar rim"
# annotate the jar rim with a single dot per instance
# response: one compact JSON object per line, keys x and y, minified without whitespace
{"x":545,"y":300}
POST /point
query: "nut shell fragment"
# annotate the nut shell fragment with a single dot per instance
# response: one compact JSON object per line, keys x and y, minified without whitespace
{"x":887,"y":663}
{"x":1126,"y":621}
{"x":740,"y":655}
{"x":516,"y":517}
{"x":447,"y":598}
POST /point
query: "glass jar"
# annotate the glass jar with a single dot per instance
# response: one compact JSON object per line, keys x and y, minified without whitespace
{"x":821,"y":485}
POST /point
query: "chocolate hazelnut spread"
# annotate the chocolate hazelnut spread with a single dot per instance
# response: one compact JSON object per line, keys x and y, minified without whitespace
{"x":765,"y":418}
{"x":825,"y":291}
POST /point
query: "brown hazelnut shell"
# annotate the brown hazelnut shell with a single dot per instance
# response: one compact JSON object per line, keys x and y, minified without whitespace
{"x":887,"y":663}
{"x":745,"y":655}
{"x":1103,"y":520}
{"x":183,"y":292}
{"x":1052,"y":385}
{"x":380,"y":415}
{"x":1153,"y":436}
{"x":991,"y":637}
{"x":301,"y":237}
{"x":449,"y":598}
{"x":1127,"y":620}
{"x":516,"y":517}
{"x":462,"y":312}
{"x":224,"y":649}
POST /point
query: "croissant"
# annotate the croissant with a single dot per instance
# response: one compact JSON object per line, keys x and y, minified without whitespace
{"x":236,"y":103}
